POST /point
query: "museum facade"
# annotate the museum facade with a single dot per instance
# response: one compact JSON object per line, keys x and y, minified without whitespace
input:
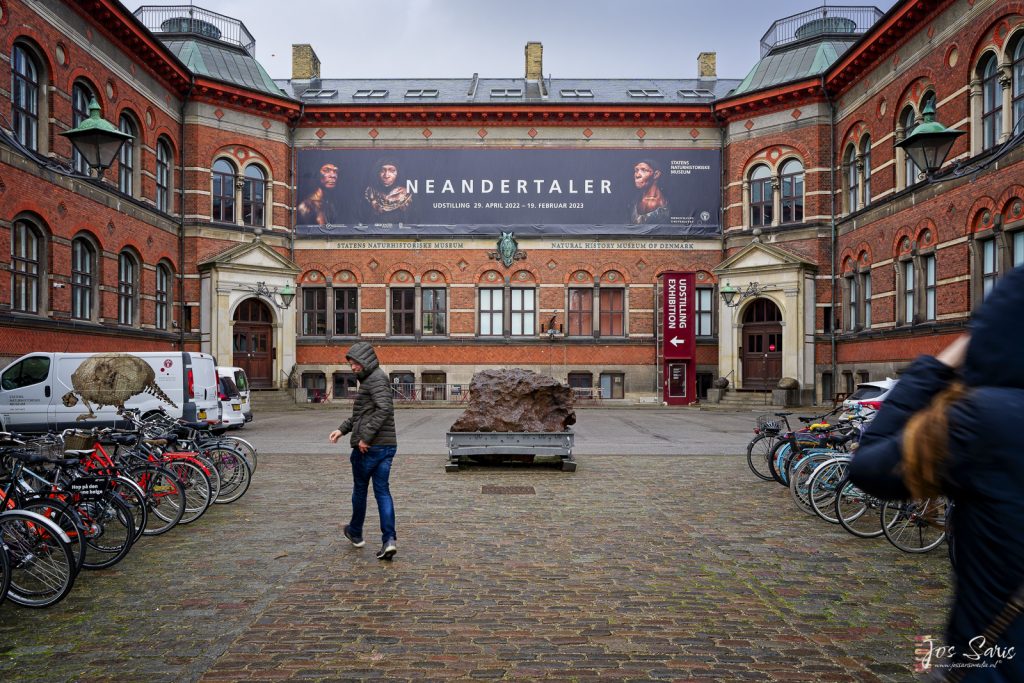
{"x":636,"y":238}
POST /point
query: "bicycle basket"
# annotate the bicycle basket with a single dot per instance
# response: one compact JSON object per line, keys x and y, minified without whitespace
{"x":79,"y":441}
{"x":768,"y":423}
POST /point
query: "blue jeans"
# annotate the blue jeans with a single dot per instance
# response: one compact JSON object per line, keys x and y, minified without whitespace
{"x":374,"y":464}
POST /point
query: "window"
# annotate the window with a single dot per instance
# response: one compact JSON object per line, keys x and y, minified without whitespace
{"x":865,"y":164}
{"x":613,"y":385}
{"x":254,"y":200}
{"x":696,"y":93}
{"x":852,"y":180}
{"x":25,"y":97}
{"x":346,"y":385}
{"x":364,"y":94}
{"x":928,"y":266}
{"x":576,"y":92}
{"x":163,"y":176}
{"x":433,"y":311}
{"x":612,"y":312}
{"x":705,"y":311}
{"x":866,"y":282}
{"x":346,"y":312}
{"x":318,"y":94}
{"x":989,"y":265}
{"x":1017,"y":94}
{"x":991,"y":103}
{"x":163,"y":296}
{"x":314,"y":311}
{"x":581,"y":312}
{"x":644,"y":92}
{"x":491,"y":310}
{"x":581,"y":383}
{"x":827,"y":319}
{"x":223,"y":191}
{"x":126,"y":289}
{"x":908,"y":292}
{"x":421,"y":93}
{"x":26,"y":251}
{"x":910,"y":169}
{"x":403,"y":311}
{"x":26,"y":373}
{"x":1018,"y":248}
{"x":506,"y":92}
{"x":762,"y":197}
{"x":126,"y":157}
{"x":433,"y":386}
{"x":83,"y":269}
{"x":81,"y":95}
{"x":523,"y":312}
{"x":851,"y":300}
{"x":791,"y":178}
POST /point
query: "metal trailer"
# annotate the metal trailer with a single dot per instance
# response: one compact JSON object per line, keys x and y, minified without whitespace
{"x":510,"y":443}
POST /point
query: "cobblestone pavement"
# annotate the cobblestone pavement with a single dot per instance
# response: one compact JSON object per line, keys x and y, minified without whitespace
{"x":647,"y":567}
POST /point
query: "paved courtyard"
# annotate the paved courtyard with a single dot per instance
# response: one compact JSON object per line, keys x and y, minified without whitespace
{"x":660,"y":558}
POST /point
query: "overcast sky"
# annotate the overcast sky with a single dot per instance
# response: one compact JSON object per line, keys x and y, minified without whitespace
{"x":455,"y":38}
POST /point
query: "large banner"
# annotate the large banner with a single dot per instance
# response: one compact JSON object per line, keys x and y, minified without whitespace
{"x":545,"y":191}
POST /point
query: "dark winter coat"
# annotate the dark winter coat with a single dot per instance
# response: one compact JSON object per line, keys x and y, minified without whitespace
{"x":984,"y":475}
{"x":373,"y":415}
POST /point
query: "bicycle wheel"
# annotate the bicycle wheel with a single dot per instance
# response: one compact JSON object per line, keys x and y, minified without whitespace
{"x":209,"y":469}
{"x":42,"y":566}
{"x":247,"y":449}
{"x":65,"y":517}
{"x":109,"y":530}
{"x":5,"y":573}
{"x":234,"y":471}
{"x":758,"y":451}
{"x":196,"y":486}
{"x":858,"y":512}
{"x":800,"y":476}
{"x":824,"y":487}
{"x":135,"y":498}
{"x":916,"y":526}
{"x":780,"y":453}
{"x":165,"y":497}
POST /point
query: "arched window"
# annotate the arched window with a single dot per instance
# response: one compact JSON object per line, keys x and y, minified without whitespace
{"x":762,"y":196}
{"x":254,"y":189}
{"x":81,"y":94}
{"x":163,"y":296}
{"x":126,"y":157}
{"x":163,"y":176}
{"x":865,"y":164}
{"x":223,"y":191}
{"x":25,"y":97}
{"x":908,"y":121}
{"x":791,"y":180}
{"x":1017,"y":69}
{"x":26,"y":267}
{"x":127,"y":275}
{"x":852,"y":179}
{"x":991,"y":103}
{"x":83,"y":278}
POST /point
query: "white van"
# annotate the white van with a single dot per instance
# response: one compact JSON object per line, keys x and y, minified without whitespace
{"x":52,"y":391}
{"x":241,"y":380}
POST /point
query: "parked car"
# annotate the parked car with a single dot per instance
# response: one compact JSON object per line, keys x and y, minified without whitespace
{"x":231,"y":416}
{"x":242,"y":383}
{"x":868,"y":397}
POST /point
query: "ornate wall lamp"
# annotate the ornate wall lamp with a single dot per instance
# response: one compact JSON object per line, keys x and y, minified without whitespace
{"x":733,"y":297}
{"x":282,"y":298}
{"x":97,"y":140}
{"x":930,"y":142}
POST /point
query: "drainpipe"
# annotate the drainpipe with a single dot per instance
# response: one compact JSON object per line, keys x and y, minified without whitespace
{"x":291,"y":181}
{"x":181,"y":213}
{"x":835,"y":239}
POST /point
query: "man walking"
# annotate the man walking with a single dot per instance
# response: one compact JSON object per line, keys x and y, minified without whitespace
{"x":374,"y":443}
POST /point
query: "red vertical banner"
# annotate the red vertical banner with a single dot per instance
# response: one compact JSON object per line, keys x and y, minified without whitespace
{"x":678,"y":297}
{"x":679,"y":337}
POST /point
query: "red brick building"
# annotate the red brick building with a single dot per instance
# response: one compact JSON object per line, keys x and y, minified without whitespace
{"x":522,"y":234}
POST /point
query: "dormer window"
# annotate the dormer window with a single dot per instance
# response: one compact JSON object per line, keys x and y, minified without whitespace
{"x":318,"y":94}
{"x":421,"y":92}
{"x":645,"y":92}
{"x":366,"y":94}
{"x":506,"y":92}
{"x":576,"y":92}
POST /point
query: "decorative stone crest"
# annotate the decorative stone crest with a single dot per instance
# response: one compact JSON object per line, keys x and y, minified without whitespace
{"x":508,"y":250}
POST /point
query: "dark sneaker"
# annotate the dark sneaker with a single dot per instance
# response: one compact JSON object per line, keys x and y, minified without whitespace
{"x":388,"y":550}
{"x":357,"y":541}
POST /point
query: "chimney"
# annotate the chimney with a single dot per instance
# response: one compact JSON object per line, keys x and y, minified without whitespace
{"x":534,"y":61}
{"x":706,"y":67}
{"x":305,"y":64}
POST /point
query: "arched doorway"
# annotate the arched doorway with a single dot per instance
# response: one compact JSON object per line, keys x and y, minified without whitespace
{"x":762,"y":345}
{"x":251,"y":347}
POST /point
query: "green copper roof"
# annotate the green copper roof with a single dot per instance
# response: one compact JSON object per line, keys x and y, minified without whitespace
{"x":223,"y":63}
{"x":793,"y":64}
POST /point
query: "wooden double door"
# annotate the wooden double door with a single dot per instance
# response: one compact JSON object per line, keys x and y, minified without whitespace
{"x":761,"y":354}
{"x":252,"y":345}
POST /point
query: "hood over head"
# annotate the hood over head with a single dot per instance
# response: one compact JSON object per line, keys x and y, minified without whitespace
{"x":363,"y":353}
{"x":997,"y":332}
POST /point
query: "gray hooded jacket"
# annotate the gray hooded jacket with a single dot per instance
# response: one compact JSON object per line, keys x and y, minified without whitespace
{"x":373,"y":415}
